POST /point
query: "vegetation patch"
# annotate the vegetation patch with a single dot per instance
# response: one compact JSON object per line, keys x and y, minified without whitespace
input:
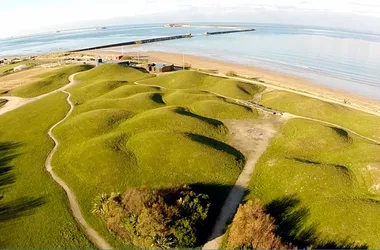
{"x":360,"y":122}
{"x":252,"y":228}
{"x":51,"y":81}
{"x":8,"y":68}
{"x":199,"y":81}
{"x":314,"y":181}
{"x":3,"y":102}
{"x":155,"y":218}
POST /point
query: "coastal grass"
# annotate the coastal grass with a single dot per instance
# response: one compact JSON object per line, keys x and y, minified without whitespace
{"x":199,"y":81}
{"x":124,"y":135}
{"x":34,"y":210}
{"x":360,"y":122}
{"x":8,"y":68}
{"x":317,"y":182}
{"x":49,"y":82}
{"x":3,"y":102}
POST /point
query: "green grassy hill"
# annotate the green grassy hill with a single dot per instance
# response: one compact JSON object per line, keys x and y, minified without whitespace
{"x":319,"y":186}
{"x":51,"y":81}
{"x":34,"y":211}
{"x":359,"y":122}
{"x":199,"y":81}
{"x":124,"y":135}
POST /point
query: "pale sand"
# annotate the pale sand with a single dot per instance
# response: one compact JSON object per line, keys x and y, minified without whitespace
{"x":271,"y":79}
{"x":18,"y":79}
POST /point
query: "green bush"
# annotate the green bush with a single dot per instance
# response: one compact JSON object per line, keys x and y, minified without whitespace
{"x":231,"y":73}
{"x":147,"y":218}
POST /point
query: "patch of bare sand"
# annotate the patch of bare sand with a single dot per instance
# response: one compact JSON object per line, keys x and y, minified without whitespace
{"x":11,"y":81}
{"x":251,"y":137}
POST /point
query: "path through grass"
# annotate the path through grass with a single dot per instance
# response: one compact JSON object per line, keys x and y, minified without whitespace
{"x":360,"y":122}
{"x":319,"y":186}
{"x":45,"y":220}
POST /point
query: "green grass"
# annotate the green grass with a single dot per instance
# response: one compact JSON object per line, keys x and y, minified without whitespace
{"x":8,"y":68}
{"x":326,"y":170}
{"x":34,"y":209}
{"x":3,"y":102}
{"x":124,"y":135}
{"x":360,"y":122}
{"x":52,"y":81}
{"x":199,"y":81}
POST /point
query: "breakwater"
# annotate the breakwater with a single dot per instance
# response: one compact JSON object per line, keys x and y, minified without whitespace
{"x":151,"y":40}
{"x":227,"y":32}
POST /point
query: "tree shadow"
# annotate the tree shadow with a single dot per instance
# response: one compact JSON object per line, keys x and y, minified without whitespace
{"x":218,"y":145}
{"x":218,"y":194}
{"x":22,"y":206}
{"x":7,"y":154}
{"x":291,"y":219}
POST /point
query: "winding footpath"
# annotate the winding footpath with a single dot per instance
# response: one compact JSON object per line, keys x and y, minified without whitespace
{"x":95,"y":238}
{"x":234,"y":198}
{"x":237,"y":193}
{"x":17,"y":102}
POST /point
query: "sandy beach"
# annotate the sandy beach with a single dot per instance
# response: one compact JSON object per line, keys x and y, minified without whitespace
{"x":271,"y":79}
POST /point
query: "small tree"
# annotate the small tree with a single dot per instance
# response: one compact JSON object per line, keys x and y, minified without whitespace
{"x":252,"y":228}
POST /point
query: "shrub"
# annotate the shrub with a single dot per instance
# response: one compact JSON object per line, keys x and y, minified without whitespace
{"x":147,"y":218}
{"x":253,"y":228}
{"x":231,"y":73}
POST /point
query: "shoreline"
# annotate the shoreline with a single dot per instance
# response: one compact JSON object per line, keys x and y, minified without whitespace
{"x":270,"y":79}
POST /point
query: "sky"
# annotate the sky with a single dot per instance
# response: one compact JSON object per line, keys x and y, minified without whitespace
{"x":21,"y":17}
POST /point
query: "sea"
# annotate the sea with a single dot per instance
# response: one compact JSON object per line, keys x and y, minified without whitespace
{"x":339,"y":59}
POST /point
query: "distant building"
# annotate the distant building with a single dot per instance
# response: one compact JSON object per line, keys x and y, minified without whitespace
{"x":159,"y":67}
{"x":122,"y":62}
{"x":19,"y":68}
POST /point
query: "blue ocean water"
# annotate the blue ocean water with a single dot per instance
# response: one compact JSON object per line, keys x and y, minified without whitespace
{"x":335,"y":58}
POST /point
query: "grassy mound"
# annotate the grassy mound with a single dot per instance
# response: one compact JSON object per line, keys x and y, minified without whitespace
{"x":29,"y":197}
{"x":223,"y":110}
{"x":188,"y":97}
{"x":112,"y":72}
{"x":200,"y":81}
{"x":52,"y":81}
{"x":174,"y":119}
{"x":360,"y":122}
{"x":317,"y":186}
{"x":123,"y":135}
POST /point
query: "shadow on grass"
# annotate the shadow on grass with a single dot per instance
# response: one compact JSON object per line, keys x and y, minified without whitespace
{"x":157,"y":98}
{"x":291,"y":225}
{"x":218,"y":194}
{"x":22,"y":206}
{"x":210,"y":121}
{"x":220,"y":146}
{"x":7,"y":154}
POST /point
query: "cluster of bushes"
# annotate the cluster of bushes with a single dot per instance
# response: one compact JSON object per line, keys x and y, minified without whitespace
{"x":252,"y":228}
{"x":231,"y":73}
{"x":155,"y":218}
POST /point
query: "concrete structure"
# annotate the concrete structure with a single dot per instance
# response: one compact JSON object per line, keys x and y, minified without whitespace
{"x":19,"y":68}
{"x":159,"y":67}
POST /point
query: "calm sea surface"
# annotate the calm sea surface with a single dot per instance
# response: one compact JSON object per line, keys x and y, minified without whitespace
{"x":335,"y":58}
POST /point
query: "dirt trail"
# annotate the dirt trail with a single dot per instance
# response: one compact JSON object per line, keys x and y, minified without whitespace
{"x":15,"y":102}
{"x":95,"y":238}
{"x":251,"y":137}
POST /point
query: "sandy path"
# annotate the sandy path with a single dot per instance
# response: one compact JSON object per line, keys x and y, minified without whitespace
{"x":15,"y":102}
{"x":251,"y":137}
{"x":95,"y":238}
